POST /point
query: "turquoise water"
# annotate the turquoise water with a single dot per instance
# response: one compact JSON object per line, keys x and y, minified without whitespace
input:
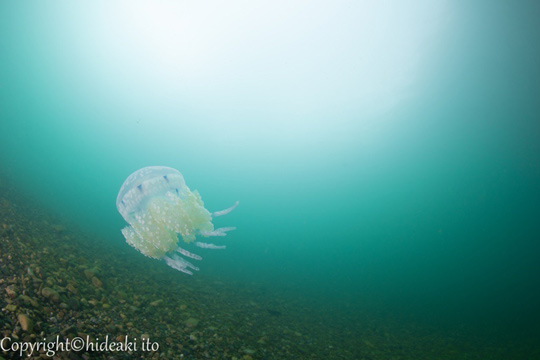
{"x":385,"y":157}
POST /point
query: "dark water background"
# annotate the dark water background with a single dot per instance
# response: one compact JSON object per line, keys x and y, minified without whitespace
{"x":388,"y":161}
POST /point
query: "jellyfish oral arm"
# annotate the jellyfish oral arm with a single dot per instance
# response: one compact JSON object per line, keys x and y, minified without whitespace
{"x":188,"y":254}
{"x":218,"y":232}
{"x":177,"y":263}
{"x":209,"y":246}
{"x":221,"y":231}
{"x":226,"y":211}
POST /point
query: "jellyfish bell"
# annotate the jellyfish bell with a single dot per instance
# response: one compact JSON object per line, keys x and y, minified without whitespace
{"x":157,"y":204}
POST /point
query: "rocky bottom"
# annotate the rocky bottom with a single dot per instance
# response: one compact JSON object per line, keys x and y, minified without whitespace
{"x":74,"y":297}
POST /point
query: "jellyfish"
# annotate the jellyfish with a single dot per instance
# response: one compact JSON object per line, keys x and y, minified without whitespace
{"x":157,"y":204}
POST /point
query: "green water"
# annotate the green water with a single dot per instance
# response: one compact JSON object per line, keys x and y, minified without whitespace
{"x":385,"y":157}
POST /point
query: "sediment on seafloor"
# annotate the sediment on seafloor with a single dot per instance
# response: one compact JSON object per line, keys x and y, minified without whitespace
{"x":57,"y":282}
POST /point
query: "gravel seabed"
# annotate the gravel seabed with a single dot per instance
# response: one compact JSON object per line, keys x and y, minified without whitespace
{"x":58,"y":284}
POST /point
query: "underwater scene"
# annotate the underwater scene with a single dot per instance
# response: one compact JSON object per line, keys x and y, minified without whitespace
{"x":249,"y":180}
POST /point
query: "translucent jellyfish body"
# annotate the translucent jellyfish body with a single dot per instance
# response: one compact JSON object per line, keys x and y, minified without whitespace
{"x":158,"y":206}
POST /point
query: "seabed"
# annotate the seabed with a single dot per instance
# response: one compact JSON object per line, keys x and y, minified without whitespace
{"x":58,"y":282}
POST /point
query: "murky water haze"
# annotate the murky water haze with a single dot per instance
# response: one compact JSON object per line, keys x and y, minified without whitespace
{"x":397,"y":171}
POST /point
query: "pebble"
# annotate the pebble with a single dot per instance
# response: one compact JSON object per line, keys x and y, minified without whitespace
{"x":10,"y":290}
{"x":26,"y":323}
{"x":30,"y":272}
{"x":72,"y":289}
{"x":192,"y":322}
{"x":89,"y":274}
{"x":50,"y":294}
{"x":97,"y":282}
{"x":28,"y":300}
{"x":73,"y":303}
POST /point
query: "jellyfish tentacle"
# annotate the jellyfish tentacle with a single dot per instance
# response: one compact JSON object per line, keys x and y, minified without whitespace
{"x":209,"y":246}
{"x":177,"y":265}
{"x":217,"y":232}
{"x":188,"y":254}
{"x":186,"y":263}
{"x":226,"y":211}
{"x":180,"y":264}
{"x":223,"y":230}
